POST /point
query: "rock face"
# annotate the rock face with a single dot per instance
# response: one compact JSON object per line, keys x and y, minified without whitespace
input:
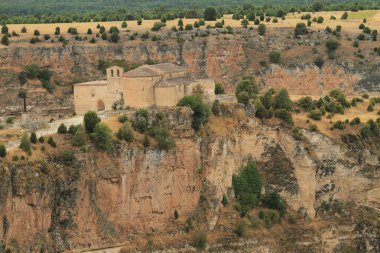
{"x":225,"y":58}
{"x":104,"y":198}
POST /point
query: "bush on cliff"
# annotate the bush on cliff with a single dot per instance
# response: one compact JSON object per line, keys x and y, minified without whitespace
{"x":246,"y":89}
{"x":90,"y":120}
{"x":247,"y":186}
{"x":125,"y":133}
{"x":25,"y":143}
{"x":3,"y":151}
{"x":102,"y":137}
{"x":79,"y":137}
{"x":201,"y":110}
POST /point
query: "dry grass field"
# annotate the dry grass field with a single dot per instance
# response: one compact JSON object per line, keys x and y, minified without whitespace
{"x":349,"y":25}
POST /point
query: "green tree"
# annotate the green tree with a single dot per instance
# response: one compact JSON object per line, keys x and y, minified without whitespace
{"x":62,"y":129}
{"x":102,"y":137}
{"x":247,"y":84}
{"x":125,"y":133}
{"x":33,"y":138}
{"x":104,"y":36}
{"x":5,"y":40}
{"x":114,"y":37}
{"x":247,"y":185}
{"x":282,"y":100}
{"x":80,"y":137}
{"x":4,"y":29}
{"x":274,"y":57}
{"x":332,"y":45}
{"x":25,"y":143}
{"x":201,"y":110}
{"x":3,"y":151}
{"x":243,"y":97}
{"x":216,"y":108}
{"x":36,"y":33}
{"x":273,"y":200}
{"x":124,"y":24}
{"x":210,"y":14}
{"x":284,"y":115}
{"x":262,"y":29}
{"x":219,"y":89}
{"x":90,"y":120}
{"x":300,"y":29}
{"x":89,"y":31}
{"x":57,"y":31}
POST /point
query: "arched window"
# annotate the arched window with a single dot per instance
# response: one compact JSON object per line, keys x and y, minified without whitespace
{"x":118,"y":73}
{"x":111,"y":72}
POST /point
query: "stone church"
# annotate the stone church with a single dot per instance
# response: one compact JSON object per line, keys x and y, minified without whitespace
{"x":149,"y":85}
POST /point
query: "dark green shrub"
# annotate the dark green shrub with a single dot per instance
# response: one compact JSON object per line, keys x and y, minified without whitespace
{"x":216,"y":108}
{"x":163,"y":138}
{"x":273,"y":200}
{"x":102,"y":137}
{"x":33,"y":138}
{"x":125,"y":133}
{"x":332,"y":45}
{"x":261,"y":29}
{"x":219,"y":89}
{"x":274,"y":57}
{"x":73,"y":129}
{"x":284,"y":115}
{"x":201,"y":110}
{"x":247,"y":185}
{"x":241,"y":229}
{"x":79,"y":137}
{"x":51,"y":142}
{"x":224,"y":200}
{"x":243,"y":97}
{"x":200,"y":240}
{"x":339,"y":125}
{"x":67,"y":157}
{"x":306,"y":103}
{"x":365,"y":96}
{"x":25,"y":143}
{"x":41,"y":139}
{"x":355,"y":121}
{"x":90,"y":121}
{"x":315,"y":115}
{"x":140,"y":121}
{"x":313,"y":128}
{"x":319,"y":61}
{"x":3,"y":151}
{"x":300,"y":29}
{"x":282,"y":100}
{"x":62,"y":129}
{"x":370,"y":108}
{"x":122,"y":118}
{"x":247,"y":84}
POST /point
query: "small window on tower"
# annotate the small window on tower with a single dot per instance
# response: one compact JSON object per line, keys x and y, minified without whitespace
{"x":111,"y":72}
{"x":118,"y":73}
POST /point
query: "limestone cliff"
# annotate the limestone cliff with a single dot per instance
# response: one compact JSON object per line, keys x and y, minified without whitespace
{"x":224,"y":57}
{"x":107,"y":198}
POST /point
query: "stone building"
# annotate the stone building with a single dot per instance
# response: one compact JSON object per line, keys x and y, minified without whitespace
{"x":149,"y":85}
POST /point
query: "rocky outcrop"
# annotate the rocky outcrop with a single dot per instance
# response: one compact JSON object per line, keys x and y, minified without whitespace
{"x":103,"y":198}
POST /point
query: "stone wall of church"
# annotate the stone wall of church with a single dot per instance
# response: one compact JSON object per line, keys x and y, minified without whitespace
{"x":93,"y":98}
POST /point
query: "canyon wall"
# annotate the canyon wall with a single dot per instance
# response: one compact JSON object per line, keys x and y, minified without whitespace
{"x":224,"y":57}
{"x":107,"y":198}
